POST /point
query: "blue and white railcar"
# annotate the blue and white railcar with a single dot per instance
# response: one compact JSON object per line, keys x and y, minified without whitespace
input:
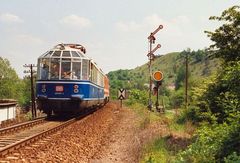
{"x":68,"y":81}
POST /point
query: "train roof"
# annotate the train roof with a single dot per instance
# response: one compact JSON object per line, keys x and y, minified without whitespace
{"x":66,"y":51}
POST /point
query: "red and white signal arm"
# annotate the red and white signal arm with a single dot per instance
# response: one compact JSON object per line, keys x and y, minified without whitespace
{"x":157,"y":75}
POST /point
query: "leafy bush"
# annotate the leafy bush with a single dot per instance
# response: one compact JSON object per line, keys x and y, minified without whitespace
{"x":177,"y":98}
{"x":216,"y":101}
{"x":138,"y":96}
{"x":232,"y":158}
{"x":195,"y":114}
{"x":212,"y":143}
{"x":222,"y":98}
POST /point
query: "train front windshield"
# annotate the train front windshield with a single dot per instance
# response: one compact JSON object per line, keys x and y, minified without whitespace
{"x":61,"y":65}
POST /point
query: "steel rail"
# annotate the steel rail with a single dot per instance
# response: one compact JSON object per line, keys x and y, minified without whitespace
{"x":27,"y":140}
{"x":8,"y":145}
{"x":21,"y":126}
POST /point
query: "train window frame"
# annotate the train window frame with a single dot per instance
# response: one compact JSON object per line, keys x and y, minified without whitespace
{"x":96,"y":75}
{"x":66,"y":52}
{"x":80,"y":54}
{"x":66,"y":70}
{"x":55,"y":68}
{"x":76,"y":70}
{"x":75,"y":54}
{"x":48,"y":54}
{"x":85,"y":69}
{"x":57,"y":55}
{"x":78,"y":65}
{"x":94,"y":72}
{"x":43,"y":68}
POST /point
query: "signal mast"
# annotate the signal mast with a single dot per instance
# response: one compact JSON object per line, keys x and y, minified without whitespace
{"x":151,"y":56}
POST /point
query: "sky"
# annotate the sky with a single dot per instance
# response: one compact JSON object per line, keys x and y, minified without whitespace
{"x":114,"y":32}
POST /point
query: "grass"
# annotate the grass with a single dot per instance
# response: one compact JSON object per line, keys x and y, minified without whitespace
{"x":28,"y":116}
{"x":157,"y":152}
{"x":146,"y":116}
{"x":163,"y":149}
{"x":174,"y":126}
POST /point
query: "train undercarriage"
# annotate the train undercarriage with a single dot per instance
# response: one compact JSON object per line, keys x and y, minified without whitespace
{"x":67,"y":107}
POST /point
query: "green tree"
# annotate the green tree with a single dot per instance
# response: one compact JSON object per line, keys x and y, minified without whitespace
{"x":177,"y":98}
{"x":180,"y":77}
{"x":227,"y":36}
{"x":223,"y":96}
{"x":9,"y":81}
{"x":25,"y":89}
{"x":198,"y":55}
{"x":220,"y":102}
{"x":11,"y":86}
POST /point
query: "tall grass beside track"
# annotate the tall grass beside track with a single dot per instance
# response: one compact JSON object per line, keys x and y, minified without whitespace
{"x":162,"y":148}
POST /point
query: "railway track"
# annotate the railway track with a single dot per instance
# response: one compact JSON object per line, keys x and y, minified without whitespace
{"x":10,"y":143}
{"x":21,"y":126}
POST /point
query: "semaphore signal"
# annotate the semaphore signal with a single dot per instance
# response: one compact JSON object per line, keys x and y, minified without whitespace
{"x":151,"y":56}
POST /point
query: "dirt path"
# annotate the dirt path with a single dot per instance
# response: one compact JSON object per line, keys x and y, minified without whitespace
{"x":122,"y":144}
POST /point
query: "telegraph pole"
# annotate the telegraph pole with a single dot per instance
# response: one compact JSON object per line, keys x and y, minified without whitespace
{"x":31,"y":71}
{"x":186,"y":80}
{"x":150,"y":55}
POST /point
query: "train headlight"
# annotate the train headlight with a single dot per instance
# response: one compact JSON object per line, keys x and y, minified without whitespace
{"x":43,"y":88}
{"x":75,"y":90}
{"x":75,"y":86}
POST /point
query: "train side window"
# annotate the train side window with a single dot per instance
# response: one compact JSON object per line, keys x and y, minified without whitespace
{"x":94,"y":74}
{"x":85,"y":67}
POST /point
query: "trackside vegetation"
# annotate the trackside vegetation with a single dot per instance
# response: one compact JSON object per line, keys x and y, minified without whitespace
{"x":11,"y":86}
{"x":214,"y":98}
{"x":217,"y":105}
{"x":161,"y":148}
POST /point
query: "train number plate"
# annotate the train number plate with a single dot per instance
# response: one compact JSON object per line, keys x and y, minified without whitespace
{"x":59,"y":88}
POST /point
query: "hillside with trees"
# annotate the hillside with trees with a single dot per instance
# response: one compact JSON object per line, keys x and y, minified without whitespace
{"x":172,"y":65}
